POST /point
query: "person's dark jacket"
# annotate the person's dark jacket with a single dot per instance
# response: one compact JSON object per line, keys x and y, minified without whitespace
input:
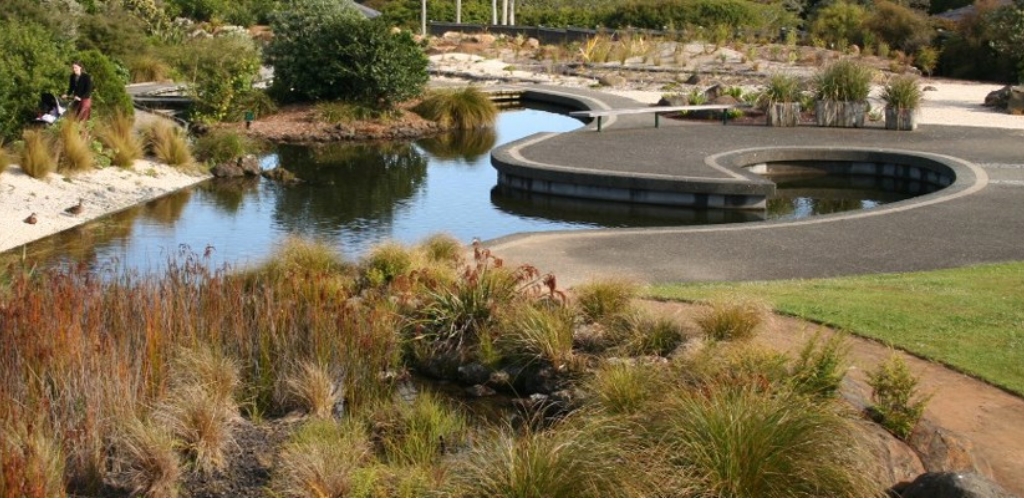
{"x":80,"y":86}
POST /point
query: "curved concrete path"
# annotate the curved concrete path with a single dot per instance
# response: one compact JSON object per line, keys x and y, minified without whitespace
{"x":979,"y":219}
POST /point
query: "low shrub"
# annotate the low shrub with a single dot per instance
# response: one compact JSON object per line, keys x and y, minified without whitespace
{"x":732,"y":319}
{"x":37,"y":154}
{"x":76,"y":152}
{"x":117,"y":133}
{"x":385,"y":262}
{"x":222,"y":145}
{"x":820,"y":367}
{"x":345,"y":112}
{"x":464,"y":108}
{"x":897,"y":404}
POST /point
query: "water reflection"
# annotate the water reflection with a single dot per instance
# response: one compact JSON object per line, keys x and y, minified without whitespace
{"x":467,"y":146}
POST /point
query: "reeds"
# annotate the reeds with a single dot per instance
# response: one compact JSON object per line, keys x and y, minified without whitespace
{"x":76,"y":152}
{"x":168,"y":144}
{"x":37,"y":154}
{"x":464,"y":108}
{"x":117,"y":133}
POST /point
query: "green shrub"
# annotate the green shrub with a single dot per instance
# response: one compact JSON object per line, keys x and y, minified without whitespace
{"x":112,"y":31}
{"x":221,"y":145}
{"x":108,"y":95}
{"x":839,"y":22}
{"x":37,"y":154}
{"x":325,"y":52}
{"x":732,"y":319}
{"x":601,"y":300}
{"x":345,"y":112}
{"x":902,"y":92}
{"x":820,"y":367}
{"x":897,"y":404}
{"x":843,"y":80}
{"x":464,"y":108}
{"x":926,"y":58}
{"x":901,"y":27}
{"x":711,"y":14}
{"x":32,"y":61}
{"x":220,"y":70}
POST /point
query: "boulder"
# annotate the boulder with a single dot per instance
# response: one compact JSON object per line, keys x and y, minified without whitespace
{"x":226,"y":170}
{"x":483,"y":38}
{"x":694,"y":79}
{"x":943,"y":450}
{"x":952,"y":485}
{"x":713,"y":92}
{"x":611,"y":80}
{"x":998,"y":98}
{"x":474,"y":373}
{"x":1015,"y":102}
{"x":895,"y":462}
{"x":674,"y":100}
{"x":532,"y":43}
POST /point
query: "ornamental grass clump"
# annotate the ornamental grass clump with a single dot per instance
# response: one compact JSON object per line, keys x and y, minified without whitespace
{"x":420,"y":432}
{"x":843,"y":80}
{"x":37,"y":154}
{"x":605,"y":299}
{"x":222,"y":145}
{"x":538,"y":333}
{"x":314,"y":390}
{"x":902,"y":92}
{"x":144,"y":461}
{"x":781,"y":88}
{"x":117,"y":133}
{"x":464,"y":108}
{"x":323,"y":460}
{"x":75,"y":151}
{"x":168,"y":144}
{"x":732,"y":319}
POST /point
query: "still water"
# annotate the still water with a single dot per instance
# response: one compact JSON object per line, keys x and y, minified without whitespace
{"x":355,"y":196}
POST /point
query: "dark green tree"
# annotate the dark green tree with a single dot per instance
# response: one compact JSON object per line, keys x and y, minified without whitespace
{"x":32,"y":61}
{"x":321,"y":51}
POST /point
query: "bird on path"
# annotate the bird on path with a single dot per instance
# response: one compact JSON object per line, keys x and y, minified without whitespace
{"x":31,"y":219}
{"x":75,"y":209}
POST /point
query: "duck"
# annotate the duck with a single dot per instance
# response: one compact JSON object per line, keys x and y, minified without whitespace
{"x":75,"y":209}
{"x":31,"y":219}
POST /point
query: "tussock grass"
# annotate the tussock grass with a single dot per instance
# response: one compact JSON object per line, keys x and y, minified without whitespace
{"x":635,"y":333}
{"x":37,"y":154}
{"x":443,"y":248}
{"x":76,"y":152}
{"x":201,"y":424}
{"x":385,"y":262}
{"x":215,"y":373}
{"x":601,"y":300}
{"x":146,"y":68}
{"x":168,"y":144}
{"x":464,"y":108}
{"x":843,"y":80}
{"x":571,"y":459}
{"x":313,"y":390}
{"x":736,"y":441}
{"x":539,"y":334}
{"x":323,"y":460}
{"x":902,"y":92}
{"x":467,"y":145}
{"x":117,"y":133}
{"x":144,"y":460}
{"x":5,"y":157}
{"x":31,"y":462}
{"x":781,"y":88}
{"x":626,"y":387}
{"x":732,"y":319}
{"x":417,"y":433}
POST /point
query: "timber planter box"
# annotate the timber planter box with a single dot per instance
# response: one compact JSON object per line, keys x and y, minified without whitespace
{"x":783,"y":114}
{"x":900,"y":119}
{"x":847,"y":114}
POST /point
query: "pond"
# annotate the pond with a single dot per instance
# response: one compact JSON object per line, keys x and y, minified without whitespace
{"x":356,"y":196}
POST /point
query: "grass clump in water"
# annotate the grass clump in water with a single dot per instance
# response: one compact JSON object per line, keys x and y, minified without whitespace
{"x":464,"y":108}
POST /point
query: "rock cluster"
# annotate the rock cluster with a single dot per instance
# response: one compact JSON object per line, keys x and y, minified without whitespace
{"x":1010,"y":98}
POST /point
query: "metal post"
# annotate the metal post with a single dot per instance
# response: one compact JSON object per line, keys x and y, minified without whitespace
{"x":423,"y":17}
{"x":504,"y":12}
{"x":512,"y":12}
{"x":458,"y":11}
{"x":494,"y":12}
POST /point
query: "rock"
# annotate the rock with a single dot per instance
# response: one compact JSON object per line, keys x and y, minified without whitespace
{"x":1015,"y":104}
{"x":952,"y":485}
{"x":532,"y":43}
{"x":694,"y":79}
{"x":226,"y":170}
{"x":250,"y":165}
{"x":674,"y":100}
{"x":483,"y":38}
{"x":611,"y":80}
{"x":474,"y":374}
{"x":281,"y":175}
{"x":480,"y":391}
{"x":452,"y":36}
{"x":895,"y":461}
{"x":929,"y":88}
{"x":942,"y":450}
{"x":499,"y":379}
{"x":998,"y":98}
{"x":712,"y":92}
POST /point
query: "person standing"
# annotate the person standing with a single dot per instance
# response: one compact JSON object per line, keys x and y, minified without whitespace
{"x":80,"y":91}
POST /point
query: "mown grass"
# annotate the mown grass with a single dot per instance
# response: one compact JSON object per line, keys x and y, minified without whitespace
{"x":970,"y":318}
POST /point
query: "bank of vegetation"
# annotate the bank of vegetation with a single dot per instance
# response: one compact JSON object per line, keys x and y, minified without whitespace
{"x":295,"y":378}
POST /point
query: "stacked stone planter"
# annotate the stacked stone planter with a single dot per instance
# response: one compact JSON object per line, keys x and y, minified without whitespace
{"x":900,"y":119}
{"x":783,"y":114}
{"x":846,"y":114}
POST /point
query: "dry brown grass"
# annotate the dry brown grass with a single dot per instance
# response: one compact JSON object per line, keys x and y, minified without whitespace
{"x":144,"y":461}
{"x":201,"y":425}
{"x":117,"y":132}
{"x":313,"y":390}
{"x":733,"y":319}
{"x":37,"y":154}
{"x":76,"y":152}
{"x":168,"y":144}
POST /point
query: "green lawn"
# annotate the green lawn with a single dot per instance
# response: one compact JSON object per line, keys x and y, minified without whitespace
{"x":969,"y":318}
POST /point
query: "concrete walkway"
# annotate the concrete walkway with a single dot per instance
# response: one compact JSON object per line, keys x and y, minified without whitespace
{"x":979,"y":219}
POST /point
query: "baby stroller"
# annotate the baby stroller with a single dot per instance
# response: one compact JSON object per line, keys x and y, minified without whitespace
{"x":50,"y":109}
